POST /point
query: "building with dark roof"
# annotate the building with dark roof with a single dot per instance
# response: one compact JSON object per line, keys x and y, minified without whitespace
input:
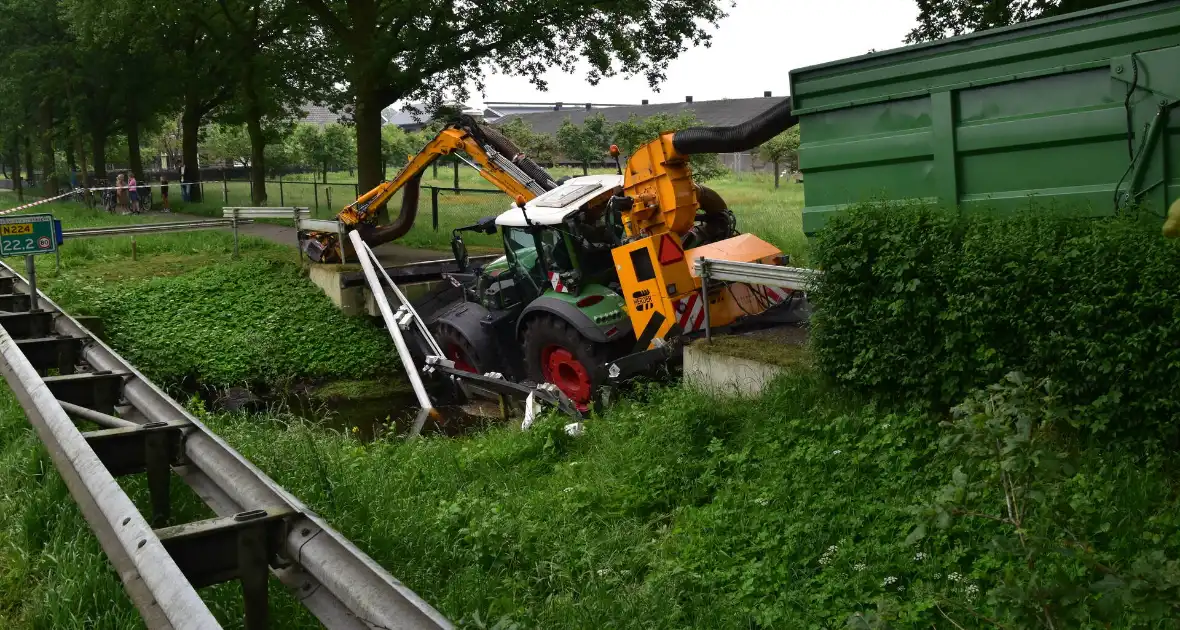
{"x":713,"y":113}
{"x":495,"y":110}
{"x":319,"y":115}
{"x":407,"y":120}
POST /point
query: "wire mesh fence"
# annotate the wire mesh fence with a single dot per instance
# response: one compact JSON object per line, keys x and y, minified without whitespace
{"x":440,"y":209}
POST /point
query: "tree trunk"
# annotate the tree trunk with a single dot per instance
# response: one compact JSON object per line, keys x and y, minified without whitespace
{"x":190,"y":126}
{"x":368,"y":143}
{"x":29,"y":160}
{"x":98,"y":146}
{"x":776,"y":174}
{"x":81,"y":151}
{"x":325,"y":171}
{"x":585,"y":168}
{"x":48,"y":168}
{"x":133,"y":155}
{"x":16,"y":181}
{"x":257,"y":148}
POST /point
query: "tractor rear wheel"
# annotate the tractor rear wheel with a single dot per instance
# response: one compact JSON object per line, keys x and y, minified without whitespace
{"x":457,"y":348}
{"x":556,"y":353}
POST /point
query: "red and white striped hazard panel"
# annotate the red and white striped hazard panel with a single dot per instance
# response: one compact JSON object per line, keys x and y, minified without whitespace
{"x":774,"y":294}
{"x":555,"y":282}
{"x":690,"y":309}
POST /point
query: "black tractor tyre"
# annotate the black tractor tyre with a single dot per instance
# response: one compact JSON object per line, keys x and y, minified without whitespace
{"x":459,"y":349}
{"x":555,"y":352}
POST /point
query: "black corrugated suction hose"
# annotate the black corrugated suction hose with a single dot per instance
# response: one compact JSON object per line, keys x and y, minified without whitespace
{"x":501,"y":143}
{"x":737,"y":138}
{"x":405,"y":217}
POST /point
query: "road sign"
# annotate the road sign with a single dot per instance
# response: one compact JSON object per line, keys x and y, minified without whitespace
{"x":27,"y":234}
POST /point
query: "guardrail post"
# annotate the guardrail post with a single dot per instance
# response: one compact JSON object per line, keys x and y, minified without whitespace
{"x":295,"y":216}
{"x":31,"y":270}
{"x":705,"y":297}
{"x":434,"y":207}
{"x":235,"y":224}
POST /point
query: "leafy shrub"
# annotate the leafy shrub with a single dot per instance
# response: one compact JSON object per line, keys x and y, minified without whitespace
{"x":927,"y":305}
{"x":1069,"y":558}
{"x":245,"y":322}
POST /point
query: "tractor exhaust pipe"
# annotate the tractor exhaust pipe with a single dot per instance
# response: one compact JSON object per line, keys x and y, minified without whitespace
{"x":737,"y":138}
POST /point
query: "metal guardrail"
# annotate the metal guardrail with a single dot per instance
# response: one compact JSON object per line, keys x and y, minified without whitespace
{"x":148,"y":228}
{"x":260,"y":527}
{"x":709,"y":269}
{"x":795,"y":278}
{"x":294,"y":213}
{"x":300,"y":216}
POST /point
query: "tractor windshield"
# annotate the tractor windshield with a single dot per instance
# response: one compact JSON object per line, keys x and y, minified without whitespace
{"x":521,"y":247}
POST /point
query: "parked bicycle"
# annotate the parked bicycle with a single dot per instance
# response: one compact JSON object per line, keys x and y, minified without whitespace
{"x":110,"y":197}
{"x":145,"y":200}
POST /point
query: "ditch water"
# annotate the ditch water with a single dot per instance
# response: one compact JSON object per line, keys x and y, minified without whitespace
{"x":369,"y":410}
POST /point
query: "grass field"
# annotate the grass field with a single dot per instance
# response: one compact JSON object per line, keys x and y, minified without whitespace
{"x":774,"y":215}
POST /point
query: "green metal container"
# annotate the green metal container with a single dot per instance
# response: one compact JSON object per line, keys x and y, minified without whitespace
{"x":1049,"y":112}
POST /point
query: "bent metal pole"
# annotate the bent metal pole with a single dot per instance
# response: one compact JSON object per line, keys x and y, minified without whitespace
{"x":363,"y":254}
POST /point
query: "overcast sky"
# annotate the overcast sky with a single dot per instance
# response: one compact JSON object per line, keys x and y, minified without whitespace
{"x":753,"y":50}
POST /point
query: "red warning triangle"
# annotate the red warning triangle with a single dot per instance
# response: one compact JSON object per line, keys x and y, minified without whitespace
{"x":670,"y":251}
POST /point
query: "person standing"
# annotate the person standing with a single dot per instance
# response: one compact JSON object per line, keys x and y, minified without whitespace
{"x":185,"y":194}
{"x":120,"y":191}
{"x":133,"y":195}
{"x":164,"y":193}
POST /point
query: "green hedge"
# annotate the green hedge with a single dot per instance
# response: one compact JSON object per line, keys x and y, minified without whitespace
{"x":924,"y":304}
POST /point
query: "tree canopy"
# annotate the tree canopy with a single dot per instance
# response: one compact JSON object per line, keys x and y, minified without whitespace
{"x":585,"y":143}
{"x":386,"y":51}
{"x":782,"y":150}
{"x":944,"y":18}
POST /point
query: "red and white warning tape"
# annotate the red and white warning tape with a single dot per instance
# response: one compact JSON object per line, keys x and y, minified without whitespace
{"x":79,"y":190}
{"x":34,"y":203}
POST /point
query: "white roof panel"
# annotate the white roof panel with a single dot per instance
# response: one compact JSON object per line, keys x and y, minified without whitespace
{"x":555,"y":205}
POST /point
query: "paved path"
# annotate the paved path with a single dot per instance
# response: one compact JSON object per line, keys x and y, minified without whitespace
{"x":388,"y":254}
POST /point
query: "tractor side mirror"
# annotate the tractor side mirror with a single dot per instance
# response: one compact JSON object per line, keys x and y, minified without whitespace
{"x":486,"y":225}
{"x":459,"y":249}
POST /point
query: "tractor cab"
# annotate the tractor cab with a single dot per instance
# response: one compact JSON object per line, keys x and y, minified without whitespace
{"x":561,"y":240}
{"x":551,"y":306}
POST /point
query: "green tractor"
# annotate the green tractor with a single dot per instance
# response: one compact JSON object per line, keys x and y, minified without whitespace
{"x":549,"y":310}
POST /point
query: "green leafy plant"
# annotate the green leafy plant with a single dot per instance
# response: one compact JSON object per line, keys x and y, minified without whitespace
{"x":1017,"y":477}
{"x":251,"y":322}
{"x":928,"y":304}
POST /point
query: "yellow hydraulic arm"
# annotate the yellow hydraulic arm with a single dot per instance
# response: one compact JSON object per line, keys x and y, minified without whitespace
{"x":494,"y":156}
{"x":502,"y":171}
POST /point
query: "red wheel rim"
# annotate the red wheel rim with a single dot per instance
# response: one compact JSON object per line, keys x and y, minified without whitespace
{"x":564,"y":370}
{"x":462,"y":362}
